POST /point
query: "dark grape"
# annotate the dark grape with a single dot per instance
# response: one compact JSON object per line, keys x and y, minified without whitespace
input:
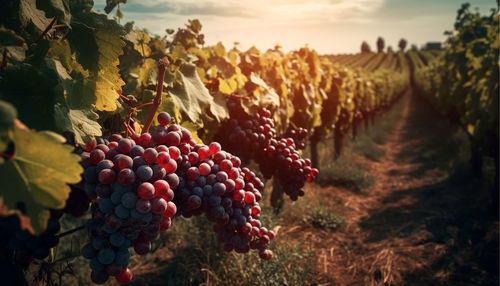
{"x":164,"y":118}
{"x":140,"y":188}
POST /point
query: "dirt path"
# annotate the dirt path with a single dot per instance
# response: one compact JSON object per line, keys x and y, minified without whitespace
{"x":417,"y":224}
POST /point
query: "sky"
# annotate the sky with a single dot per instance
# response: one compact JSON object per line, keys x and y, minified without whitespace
{"x":328,"y":26}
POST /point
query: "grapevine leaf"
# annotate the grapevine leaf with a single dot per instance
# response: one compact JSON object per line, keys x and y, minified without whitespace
{"x":177,"y":52}
{"x":219,"y":50}
{"x":219,"y":106}
{"x":147,"y":72}
{"x":141,"y":43}
{"x":31,"y":91}
{"x":97,"y":41}
{"x":10,"y":38}
{"x":190,"y":95}
{"x":194,"y":25}
{"x":108,"y":80}
{"x":82,"y":123}
{"x":111,"y":4}
{"x":17,"y":54}
{"x":7,"y":116}
{"x":225,"y":68}
{"x":228,"y":86}
{"x":37,"y":175}
{"x":56,"y":8}
{"x":28,"y":13}
{"x":266,"y":95}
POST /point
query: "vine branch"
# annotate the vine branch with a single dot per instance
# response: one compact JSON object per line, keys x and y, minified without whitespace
{"x":162,"y":65}
{"x":47,"y":29}
{"x":70,"y":231}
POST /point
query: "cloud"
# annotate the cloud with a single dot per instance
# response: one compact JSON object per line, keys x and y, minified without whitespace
{"x":186,"y":8}
{"x":290,"y":10}
{"x":259,"y":22}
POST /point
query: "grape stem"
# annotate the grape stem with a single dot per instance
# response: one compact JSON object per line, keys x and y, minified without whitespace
{"x":46,"y":30}
{"x":144,"y":104}
{"x":127,"y":101}
{"x":129,"y":130}
{"x":70,"y":231}
{"x":162,"y":65}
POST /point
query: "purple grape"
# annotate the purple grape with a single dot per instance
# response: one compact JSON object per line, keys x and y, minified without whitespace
{"x":164,"y":118}
{"x":129,"y":199}
{"x":122,"y":212}
{"x":95,"y":264}
{"x":116,"y":196}
{"x":122,"y":258}
{"x":137,"y":150}
{"x":106,"y":256}
{"x":219,"y":189}
{"x":105,"y":205}
{"x":144,"y":173}
{"x":126,"y":177}
{"x":143,"y":206}
{"x":104,"y":164}
{"x":117,"y":239}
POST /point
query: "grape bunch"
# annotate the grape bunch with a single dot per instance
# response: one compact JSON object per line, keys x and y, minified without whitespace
{"x":246,"y":135}
{"x":27,"y":246}
{"x":299,"y":137}
{"x":281,"y":159}
{"x":130,"y":181}
{"x":213,"y":183}
{"x":254,"y":137}
{"x":137,"y":185}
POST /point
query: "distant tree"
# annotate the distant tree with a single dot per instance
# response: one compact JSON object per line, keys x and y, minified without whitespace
{"x":365,"y":48}
{"x":414,"y":47}
{"x":402,"y":44}
{"x":380,"y":45}
{"x":389,"y":49}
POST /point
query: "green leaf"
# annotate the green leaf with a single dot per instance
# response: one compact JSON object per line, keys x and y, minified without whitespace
{"x":82,"y":123}
{"x":70,"y":114}
{"x":61,"y":51}
{"x":219,"y":50}
{"x":190,"y":95}
{"x":219,"y":107}
{"x":38,"y":174}
{"x":28,"y":13}
{"x":111,"y":4}
{"x":56,"y":8}
{"x":141,"y":43}
{"x":224,"y":66}
{"x":194,"y":25}
{"x":31,"y":91}
{"x":10,"y":38}
{"x":7,"y":116}
{"x":228,"y":86}
{"x":97,"y":41}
